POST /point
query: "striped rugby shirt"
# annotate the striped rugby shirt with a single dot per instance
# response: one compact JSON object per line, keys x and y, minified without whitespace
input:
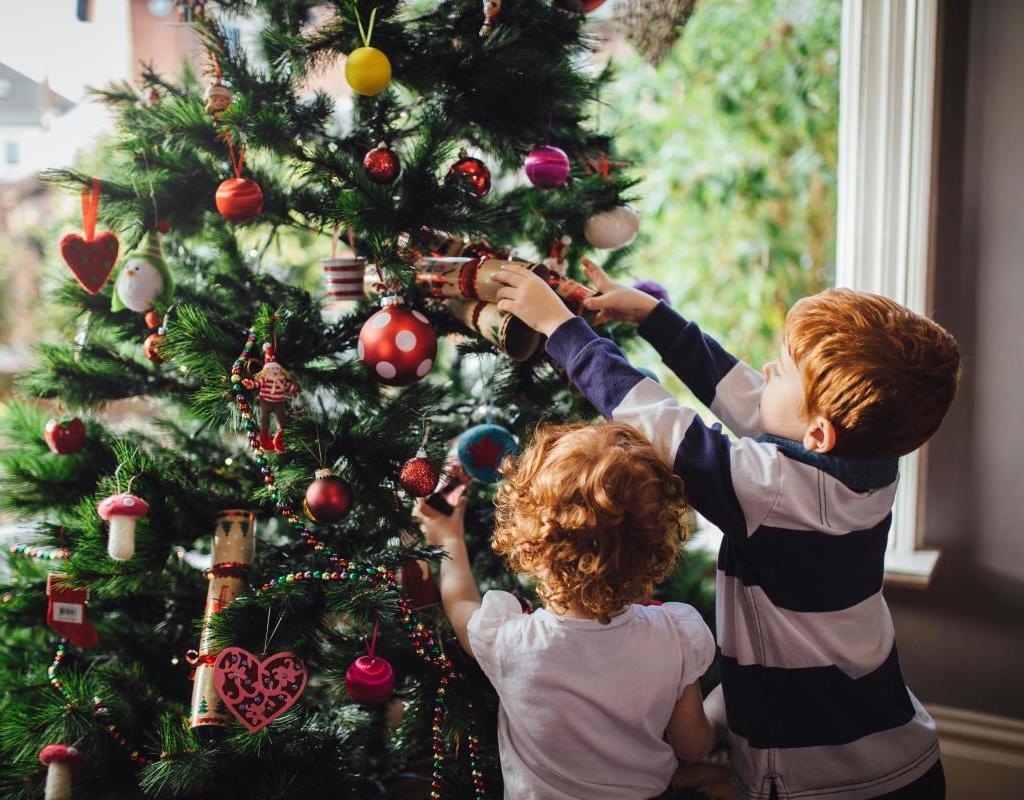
{"x":815,"y":701}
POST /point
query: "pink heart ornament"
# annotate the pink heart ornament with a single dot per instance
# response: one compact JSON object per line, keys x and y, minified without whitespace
{"x":258,"y":692}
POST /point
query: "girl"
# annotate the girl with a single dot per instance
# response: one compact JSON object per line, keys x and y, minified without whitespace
{"x":598,"y":692}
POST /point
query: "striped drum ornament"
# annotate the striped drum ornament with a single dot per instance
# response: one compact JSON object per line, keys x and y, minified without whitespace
{"x":343,"y":277}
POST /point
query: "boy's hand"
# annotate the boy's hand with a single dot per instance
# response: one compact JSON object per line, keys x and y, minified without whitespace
{"x":438,"y":528}
{"x":528,"y":296}
{"x":616,"y":302}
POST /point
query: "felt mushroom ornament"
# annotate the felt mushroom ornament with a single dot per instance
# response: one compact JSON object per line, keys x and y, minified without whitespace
{"x":121,"y":510}
{"x":62,"y":761}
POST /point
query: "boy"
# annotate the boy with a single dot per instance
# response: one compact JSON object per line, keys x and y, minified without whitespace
{"x":814,"y":700}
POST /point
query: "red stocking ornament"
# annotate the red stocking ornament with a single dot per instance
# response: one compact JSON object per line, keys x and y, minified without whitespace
{"x":65,"y":612}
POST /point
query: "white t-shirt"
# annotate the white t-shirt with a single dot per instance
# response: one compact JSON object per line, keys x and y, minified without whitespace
{"x":584,"y":706}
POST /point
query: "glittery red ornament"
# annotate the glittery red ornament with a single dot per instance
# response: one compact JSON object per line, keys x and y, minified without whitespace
{"x":382,"y":164}
{"x":239,"y":199}
{"x":328,"y":498}
{"x":151,"y":347}
{"x":370,"y":680}
{"x":470,"y":175}
{"x":419,"y":475}
{"x":398,"y":344}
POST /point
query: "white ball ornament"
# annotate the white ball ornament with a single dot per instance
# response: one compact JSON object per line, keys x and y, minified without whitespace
{"x":612,"y":229}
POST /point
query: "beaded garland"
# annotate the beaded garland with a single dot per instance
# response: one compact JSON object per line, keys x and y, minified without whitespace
{"x":423,"y":642}
{"x":37,"y":552}
{"x":97,"y":702}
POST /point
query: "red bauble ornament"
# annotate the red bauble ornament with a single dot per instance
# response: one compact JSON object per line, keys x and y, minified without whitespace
{"x":580,"y":6}
{"x":64,"y":438}
{"x":470,"y":175}
{"x":239,"y":199}
{"x":398,"y":344}
{"x":419,"y":475}
{"x":382,"y":164}
{"x":370,"y":680}
{"x":328,"y":498}
{"x":151,"y":347}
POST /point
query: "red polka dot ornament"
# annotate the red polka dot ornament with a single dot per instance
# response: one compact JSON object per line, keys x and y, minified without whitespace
{"x":397,"y":344}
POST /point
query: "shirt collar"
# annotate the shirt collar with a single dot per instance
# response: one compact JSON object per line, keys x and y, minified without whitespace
{"x":857,"y":474}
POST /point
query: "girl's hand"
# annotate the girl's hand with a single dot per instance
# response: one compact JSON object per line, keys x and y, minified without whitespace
{"x":616,"y":302}
{"x":528,"y":296}
{"x":438,"y":529}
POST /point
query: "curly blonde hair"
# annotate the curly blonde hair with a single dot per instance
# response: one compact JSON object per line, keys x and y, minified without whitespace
{"x":593,"y":513}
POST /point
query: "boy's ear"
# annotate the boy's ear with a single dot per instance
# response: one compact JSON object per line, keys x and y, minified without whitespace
{"x":820,"y":436}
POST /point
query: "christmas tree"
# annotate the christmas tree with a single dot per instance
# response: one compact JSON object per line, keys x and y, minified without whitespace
{"x":280,"y":435}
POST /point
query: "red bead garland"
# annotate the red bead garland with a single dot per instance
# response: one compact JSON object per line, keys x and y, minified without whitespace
{"x":423,"y":642}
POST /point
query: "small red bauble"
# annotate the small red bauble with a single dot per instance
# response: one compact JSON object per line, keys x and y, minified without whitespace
{"x":163,"y":226}
{"x":151,"y":347}
{"x":64,"y":438}
{"x":580,"y":6}
{"x":547,"y":167}
{"x":470,"y":175}
{"x":239,"y":199}
{"x":370,"y":680}
{"x":398,"y":344}
{"x":382,"y":164}
{"x":419,"y":475}
{"x":328,"y":498}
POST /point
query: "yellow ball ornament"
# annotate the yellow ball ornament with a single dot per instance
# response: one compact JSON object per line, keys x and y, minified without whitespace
{"x":367,"y":71}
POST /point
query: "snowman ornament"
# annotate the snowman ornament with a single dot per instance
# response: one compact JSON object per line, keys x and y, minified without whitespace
{"x":144,"y":279}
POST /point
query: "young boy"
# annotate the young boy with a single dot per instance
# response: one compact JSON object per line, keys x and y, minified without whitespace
{"x":814,"y":700}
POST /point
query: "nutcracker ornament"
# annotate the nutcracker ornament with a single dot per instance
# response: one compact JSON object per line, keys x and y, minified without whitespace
{"x":218,"y":98}
{"x":275,"y":387}
{"x":492,"y":10}
{"x":397,"y":343}
{"x":144,"y":280}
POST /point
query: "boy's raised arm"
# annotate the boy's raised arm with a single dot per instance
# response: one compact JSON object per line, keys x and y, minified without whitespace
{"x":726,"y":385}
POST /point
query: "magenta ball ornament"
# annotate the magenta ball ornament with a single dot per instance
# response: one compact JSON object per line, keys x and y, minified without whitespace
{"x":547,"y":167}
{"x":370,"y":680}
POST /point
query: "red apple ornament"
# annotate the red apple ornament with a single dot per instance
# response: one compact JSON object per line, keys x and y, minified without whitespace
{"x":64,"y":438}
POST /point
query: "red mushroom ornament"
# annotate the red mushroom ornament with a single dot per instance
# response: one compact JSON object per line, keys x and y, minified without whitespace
{"x":121,"y":511}
{"x":62,"y":762}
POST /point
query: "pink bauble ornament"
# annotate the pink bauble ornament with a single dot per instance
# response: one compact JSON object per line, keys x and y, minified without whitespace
{"x":397,"y":344}
{"x":370,"y":680}
{"x":547,"y":167}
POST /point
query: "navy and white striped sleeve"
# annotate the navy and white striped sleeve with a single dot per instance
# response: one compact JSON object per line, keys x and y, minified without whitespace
{"x":734,"y":485}
{"x":726,"y":385}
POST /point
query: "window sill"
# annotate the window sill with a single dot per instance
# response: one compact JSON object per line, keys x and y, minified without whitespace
{"x":912,"y":570}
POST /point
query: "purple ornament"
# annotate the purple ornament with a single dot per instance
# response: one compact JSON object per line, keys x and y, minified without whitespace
{"x":547,"y":167}
{"x":653,"y":288}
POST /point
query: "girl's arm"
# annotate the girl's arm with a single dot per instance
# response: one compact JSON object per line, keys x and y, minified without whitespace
{"x":459,"y":594}
{"x":689,"y":730}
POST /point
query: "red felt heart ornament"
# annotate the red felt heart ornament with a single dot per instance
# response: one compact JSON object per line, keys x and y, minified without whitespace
{"x":91,"y":261}
{"x":258,"y":692}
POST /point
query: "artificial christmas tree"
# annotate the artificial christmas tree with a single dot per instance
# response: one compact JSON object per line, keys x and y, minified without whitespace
{"x":295,"y":613}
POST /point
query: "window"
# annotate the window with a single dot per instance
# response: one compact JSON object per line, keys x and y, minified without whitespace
{"x":12,"y":153}
{"x":887,"y":101}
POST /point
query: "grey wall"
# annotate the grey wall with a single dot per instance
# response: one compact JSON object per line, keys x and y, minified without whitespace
{"x":962,"y":640}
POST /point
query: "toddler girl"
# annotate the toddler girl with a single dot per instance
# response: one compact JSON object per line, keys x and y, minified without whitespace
{"x":598,"y":693}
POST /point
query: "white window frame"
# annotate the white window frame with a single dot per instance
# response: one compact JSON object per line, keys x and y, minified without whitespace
{"x":887,"y":90}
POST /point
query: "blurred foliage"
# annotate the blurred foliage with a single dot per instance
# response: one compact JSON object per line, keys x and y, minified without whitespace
{"x":735,"y":138}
